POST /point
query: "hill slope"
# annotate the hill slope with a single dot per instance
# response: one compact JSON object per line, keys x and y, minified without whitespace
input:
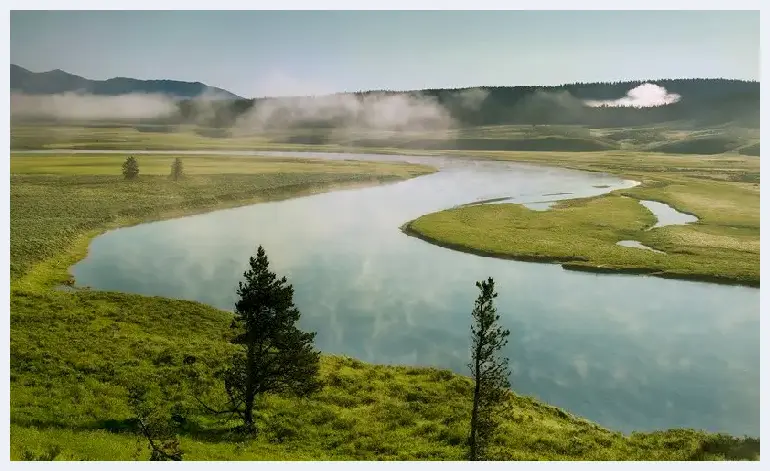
{"x":58,"y":81}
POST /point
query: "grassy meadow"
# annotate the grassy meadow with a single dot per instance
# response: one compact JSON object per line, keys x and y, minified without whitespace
{"x":75,"y":352}
{"x":722,"y":246}
{"x":678,"y":138}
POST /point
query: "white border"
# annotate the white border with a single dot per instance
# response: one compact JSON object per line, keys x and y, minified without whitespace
{"x":341,"y":5}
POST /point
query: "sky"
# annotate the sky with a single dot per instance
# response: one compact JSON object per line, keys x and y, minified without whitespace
{"x":270,"y":53}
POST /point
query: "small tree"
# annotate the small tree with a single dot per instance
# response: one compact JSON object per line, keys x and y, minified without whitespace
{"x":489,"y":370}
{"x":130,"y":168}
{"x":274,"y":355}
{"x":177,"y":171}
{"x":156,"y":424}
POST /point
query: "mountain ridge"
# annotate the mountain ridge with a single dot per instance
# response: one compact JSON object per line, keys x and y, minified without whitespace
{"x":58,"y":81}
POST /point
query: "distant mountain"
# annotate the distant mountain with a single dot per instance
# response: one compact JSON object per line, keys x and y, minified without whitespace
{"x":58,"y":81}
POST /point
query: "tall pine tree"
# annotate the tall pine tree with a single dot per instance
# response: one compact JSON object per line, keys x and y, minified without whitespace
{"x":488,"y":369}
{"x":274,"y":355}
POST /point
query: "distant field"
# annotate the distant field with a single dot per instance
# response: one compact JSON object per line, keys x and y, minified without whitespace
{"x":676,"y":139}
{"x":110,"y":164}
{"x":723,"y":246}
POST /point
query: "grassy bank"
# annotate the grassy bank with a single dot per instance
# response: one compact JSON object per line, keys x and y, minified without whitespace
{"x":73,"y":353}
{"x":722,"y":246}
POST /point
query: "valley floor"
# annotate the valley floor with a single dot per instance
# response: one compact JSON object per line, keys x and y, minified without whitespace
{"x":74,"y":353}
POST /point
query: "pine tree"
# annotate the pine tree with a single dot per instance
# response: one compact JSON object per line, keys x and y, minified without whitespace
{"x":130,"y":168}
{"x":274,"y":355}
{"x":177,"y":171}
{"x":489,"y":370}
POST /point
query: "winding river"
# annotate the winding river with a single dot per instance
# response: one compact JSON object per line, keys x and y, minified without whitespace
{"x":629,"y":352}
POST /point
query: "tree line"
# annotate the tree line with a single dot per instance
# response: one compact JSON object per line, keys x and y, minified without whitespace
{"x":705,"y":101}
{"x":273,"y":356}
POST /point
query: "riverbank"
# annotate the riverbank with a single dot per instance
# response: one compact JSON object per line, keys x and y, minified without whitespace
{"x":721,"y":247}
{"x":48,"y":234}
{"x":66,"y":391}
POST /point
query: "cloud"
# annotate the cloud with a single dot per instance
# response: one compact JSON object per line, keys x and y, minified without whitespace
{"x":87,"y":107}
{"x":644,"y":96}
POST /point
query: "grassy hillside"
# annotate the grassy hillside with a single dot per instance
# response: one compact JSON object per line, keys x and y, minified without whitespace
{"x":722,"y":246}
{"x":74,"y":352}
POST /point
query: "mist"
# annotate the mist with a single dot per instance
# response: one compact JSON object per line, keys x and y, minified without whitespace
{"x":644,"y":96}
{"x":472,"y":98}
{"x":347,"y":112}
{"x":78,"y":106}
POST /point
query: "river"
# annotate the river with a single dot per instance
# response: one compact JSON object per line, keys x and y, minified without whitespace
{"x":629,"y":352}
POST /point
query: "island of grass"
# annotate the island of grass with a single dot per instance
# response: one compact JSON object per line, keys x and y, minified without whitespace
{"x":582,"y":234}
{"x":73,"y":353}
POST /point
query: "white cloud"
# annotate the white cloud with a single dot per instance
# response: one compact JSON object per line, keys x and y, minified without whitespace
{"x":644,"y":96}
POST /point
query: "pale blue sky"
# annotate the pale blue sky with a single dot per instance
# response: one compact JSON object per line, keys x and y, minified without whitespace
{"x":269,"y":53}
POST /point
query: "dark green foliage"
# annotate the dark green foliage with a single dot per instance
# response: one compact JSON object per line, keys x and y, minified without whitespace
{"x":274,"y":356}
{"x":489,"y":371}
{"x":130,"y":168}
{"x":177,"y":170}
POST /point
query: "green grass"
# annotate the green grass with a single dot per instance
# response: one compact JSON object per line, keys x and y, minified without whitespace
{"x":73,"y":353}
{"x":722,"y":246}
{"x":703,"y":146}
{"x":160,"y":164}
{"x":73,"y":396}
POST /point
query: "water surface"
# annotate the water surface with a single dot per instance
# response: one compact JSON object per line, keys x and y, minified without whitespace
{"x":667,"y":216}
{"x":629,"y":352}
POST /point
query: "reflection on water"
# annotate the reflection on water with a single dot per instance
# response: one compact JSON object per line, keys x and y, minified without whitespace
{"x":630,"y":352}
{"x":667,"y":216}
